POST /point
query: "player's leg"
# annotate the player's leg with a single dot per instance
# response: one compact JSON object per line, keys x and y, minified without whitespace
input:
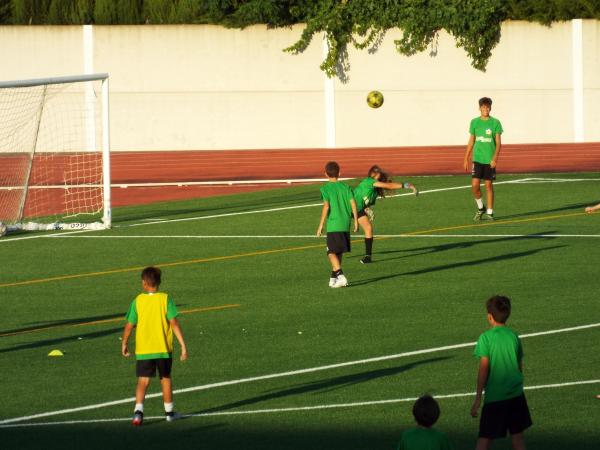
{"x":164,"y":372}
{"x":483,"y":444}
{"x":489,"y":190}
{"x":476,"y":189}
{"x":335,"y":266}
{"x":140,"y":394}
{"x":518,"y":441}
{"x":477,"y":173}
{"x":367,"y":228}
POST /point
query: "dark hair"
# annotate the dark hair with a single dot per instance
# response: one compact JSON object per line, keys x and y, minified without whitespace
{"x":151,"y":275}
{"x":384,"y":177}
{"x":485,"y":101}
{"x":499,"y":307}
{"x":332,"y":169}
{"x":426,"y":411}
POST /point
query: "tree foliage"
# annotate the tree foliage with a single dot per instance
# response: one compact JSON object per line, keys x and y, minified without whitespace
{"x":474,"y":24}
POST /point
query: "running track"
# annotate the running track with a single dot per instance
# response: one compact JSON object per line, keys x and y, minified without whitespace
{"x":231,"y":165}
{"x":235,"y":165}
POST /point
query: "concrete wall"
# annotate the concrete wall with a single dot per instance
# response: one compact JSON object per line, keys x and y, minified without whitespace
{"x":207,"y":87}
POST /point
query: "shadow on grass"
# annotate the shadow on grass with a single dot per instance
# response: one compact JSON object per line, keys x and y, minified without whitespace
{"x":163,"y":211}
{"x":475,"y":262}
{"x":467,"y":243}
{"x":326,"y":385}
{"x":48,"y":325}
{"x":273,"y":432}
{"x":544,"y":211}
{"x":50,"y":342}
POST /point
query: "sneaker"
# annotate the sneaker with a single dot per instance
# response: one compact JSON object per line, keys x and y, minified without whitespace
{"x":366,"y":260}
{"x":171,"y":416}
{"x":138,"y":418}
{"x":487,"y":216}
{"x":478,"y":214}
{"x":332,"y":281}
{"x":341,"y":281}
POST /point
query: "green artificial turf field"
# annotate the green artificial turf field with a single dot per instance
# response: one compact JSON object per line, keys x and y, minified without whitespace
{"x":346,"y":363}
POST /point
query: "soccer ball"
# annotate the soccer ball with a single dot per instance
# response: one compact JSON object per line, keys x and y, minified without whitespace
{"x":375,"y":99}
{"x":2,"y":229}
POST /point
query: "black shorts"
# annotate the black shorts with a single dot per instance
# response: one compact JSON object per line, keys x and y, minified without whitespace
{"x":338,"y":242}
{"x":483,"y":171}
{"x":506,"y":415}
{"x":361,"y":213}
{"x":148,"y":367}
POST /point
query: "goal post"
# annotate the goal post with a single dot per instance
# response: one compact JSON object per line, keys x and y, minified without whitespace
{"x":55,"y":153}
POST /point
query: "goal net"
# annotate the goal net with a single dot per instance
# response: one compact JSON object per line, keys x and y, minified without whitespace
{"x":54,"y":153}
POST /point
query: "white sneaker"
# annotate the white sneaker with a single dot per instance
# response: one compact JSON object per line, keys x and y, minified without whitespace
{"x":341,"y":281}
{"x":172,"y":416}
{"x":332,"y":281}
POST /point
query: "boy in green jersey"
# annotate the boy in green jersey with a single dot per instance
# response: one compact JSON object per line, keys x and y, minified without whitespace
{"x":365,"y":195}
{"x":501,"y":374}
{"x":153,"y":315}
{"x":338,"y":208}
{"x":423,"y":437}
{"x":484,"y":145}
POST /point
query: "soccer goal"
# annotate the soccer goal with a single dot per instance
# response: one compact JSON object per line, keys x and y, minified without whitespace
{"x":55,"y":153}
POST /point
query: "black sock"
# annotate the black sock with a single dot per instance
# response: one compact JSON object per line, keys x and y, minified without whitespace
{"x":368,"y":246}
{"x":333,"y":274}
{"x":338,"y":273}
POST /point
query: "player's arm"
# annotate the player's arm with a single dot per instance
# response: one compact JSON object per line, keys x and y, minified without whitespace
{"x":467,"y":161}
{"x":179,"y":335}
{"x":390,"y":186}
{"x":591,"y":209}
{"x":494,"y":160}
{"x":125,"y":339}
{"x":354,"y":214}
{"x":482,"y":376}
{"x":324,"y":213}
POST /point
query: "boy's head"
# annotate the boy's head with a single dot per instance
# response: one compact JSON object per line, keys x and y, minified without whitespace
{"x":498,"y":307}
{"x":485,"y":106}
{"x":151,"y":278}
{"x":426,"y":411}
{"x":332,"y":169}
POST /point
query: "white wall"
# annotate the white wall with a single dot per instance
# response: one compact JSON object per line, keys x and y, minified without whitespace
{"x":207,"y":87}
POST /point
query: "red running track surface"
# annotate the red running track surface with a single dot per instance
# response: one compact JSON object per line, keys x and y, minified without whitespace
{"x":236,"y":165}
{"x":169,"y":166}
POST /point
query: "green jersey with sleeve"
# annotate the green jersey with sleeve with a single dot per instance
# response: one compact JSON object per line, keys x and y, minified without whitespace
{"x":339,"y":197}
{"x":485,"y":132}
{"x":151,"y":313}
{"x":503,"y":348}
{"x":365,"y":194}
{"x":424,"y":439}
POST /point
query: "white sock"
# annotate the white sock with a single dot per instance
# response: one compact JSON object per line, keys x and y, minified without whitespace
{"x":139,"y":407}
{"x":169,"y":407}
{"x":479,"y":203}
{"x":490,"y":211}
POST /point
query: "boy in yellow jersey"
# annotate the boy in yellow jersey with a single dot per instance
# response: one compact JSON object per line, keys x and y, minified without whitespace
{"x":153,"y":314}
{"x":481,"y":157}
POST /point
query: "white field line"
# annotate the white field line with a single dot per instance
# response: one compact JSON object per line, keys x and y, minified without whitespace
{"x":312,"y":236}
{"x":175,"y":183}
{"x":294,"y":409}
{"x":284,"y":208}
{"x":286,"y":374}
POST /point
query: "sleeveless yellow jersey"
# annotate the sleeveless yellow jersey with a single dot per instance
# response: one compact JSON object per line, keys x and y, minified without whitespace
{"x":151,"y":313}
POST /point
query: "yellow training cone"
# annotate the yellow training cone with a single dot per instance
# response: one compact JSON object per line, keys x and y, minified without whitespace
{"x":55,"y":353}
